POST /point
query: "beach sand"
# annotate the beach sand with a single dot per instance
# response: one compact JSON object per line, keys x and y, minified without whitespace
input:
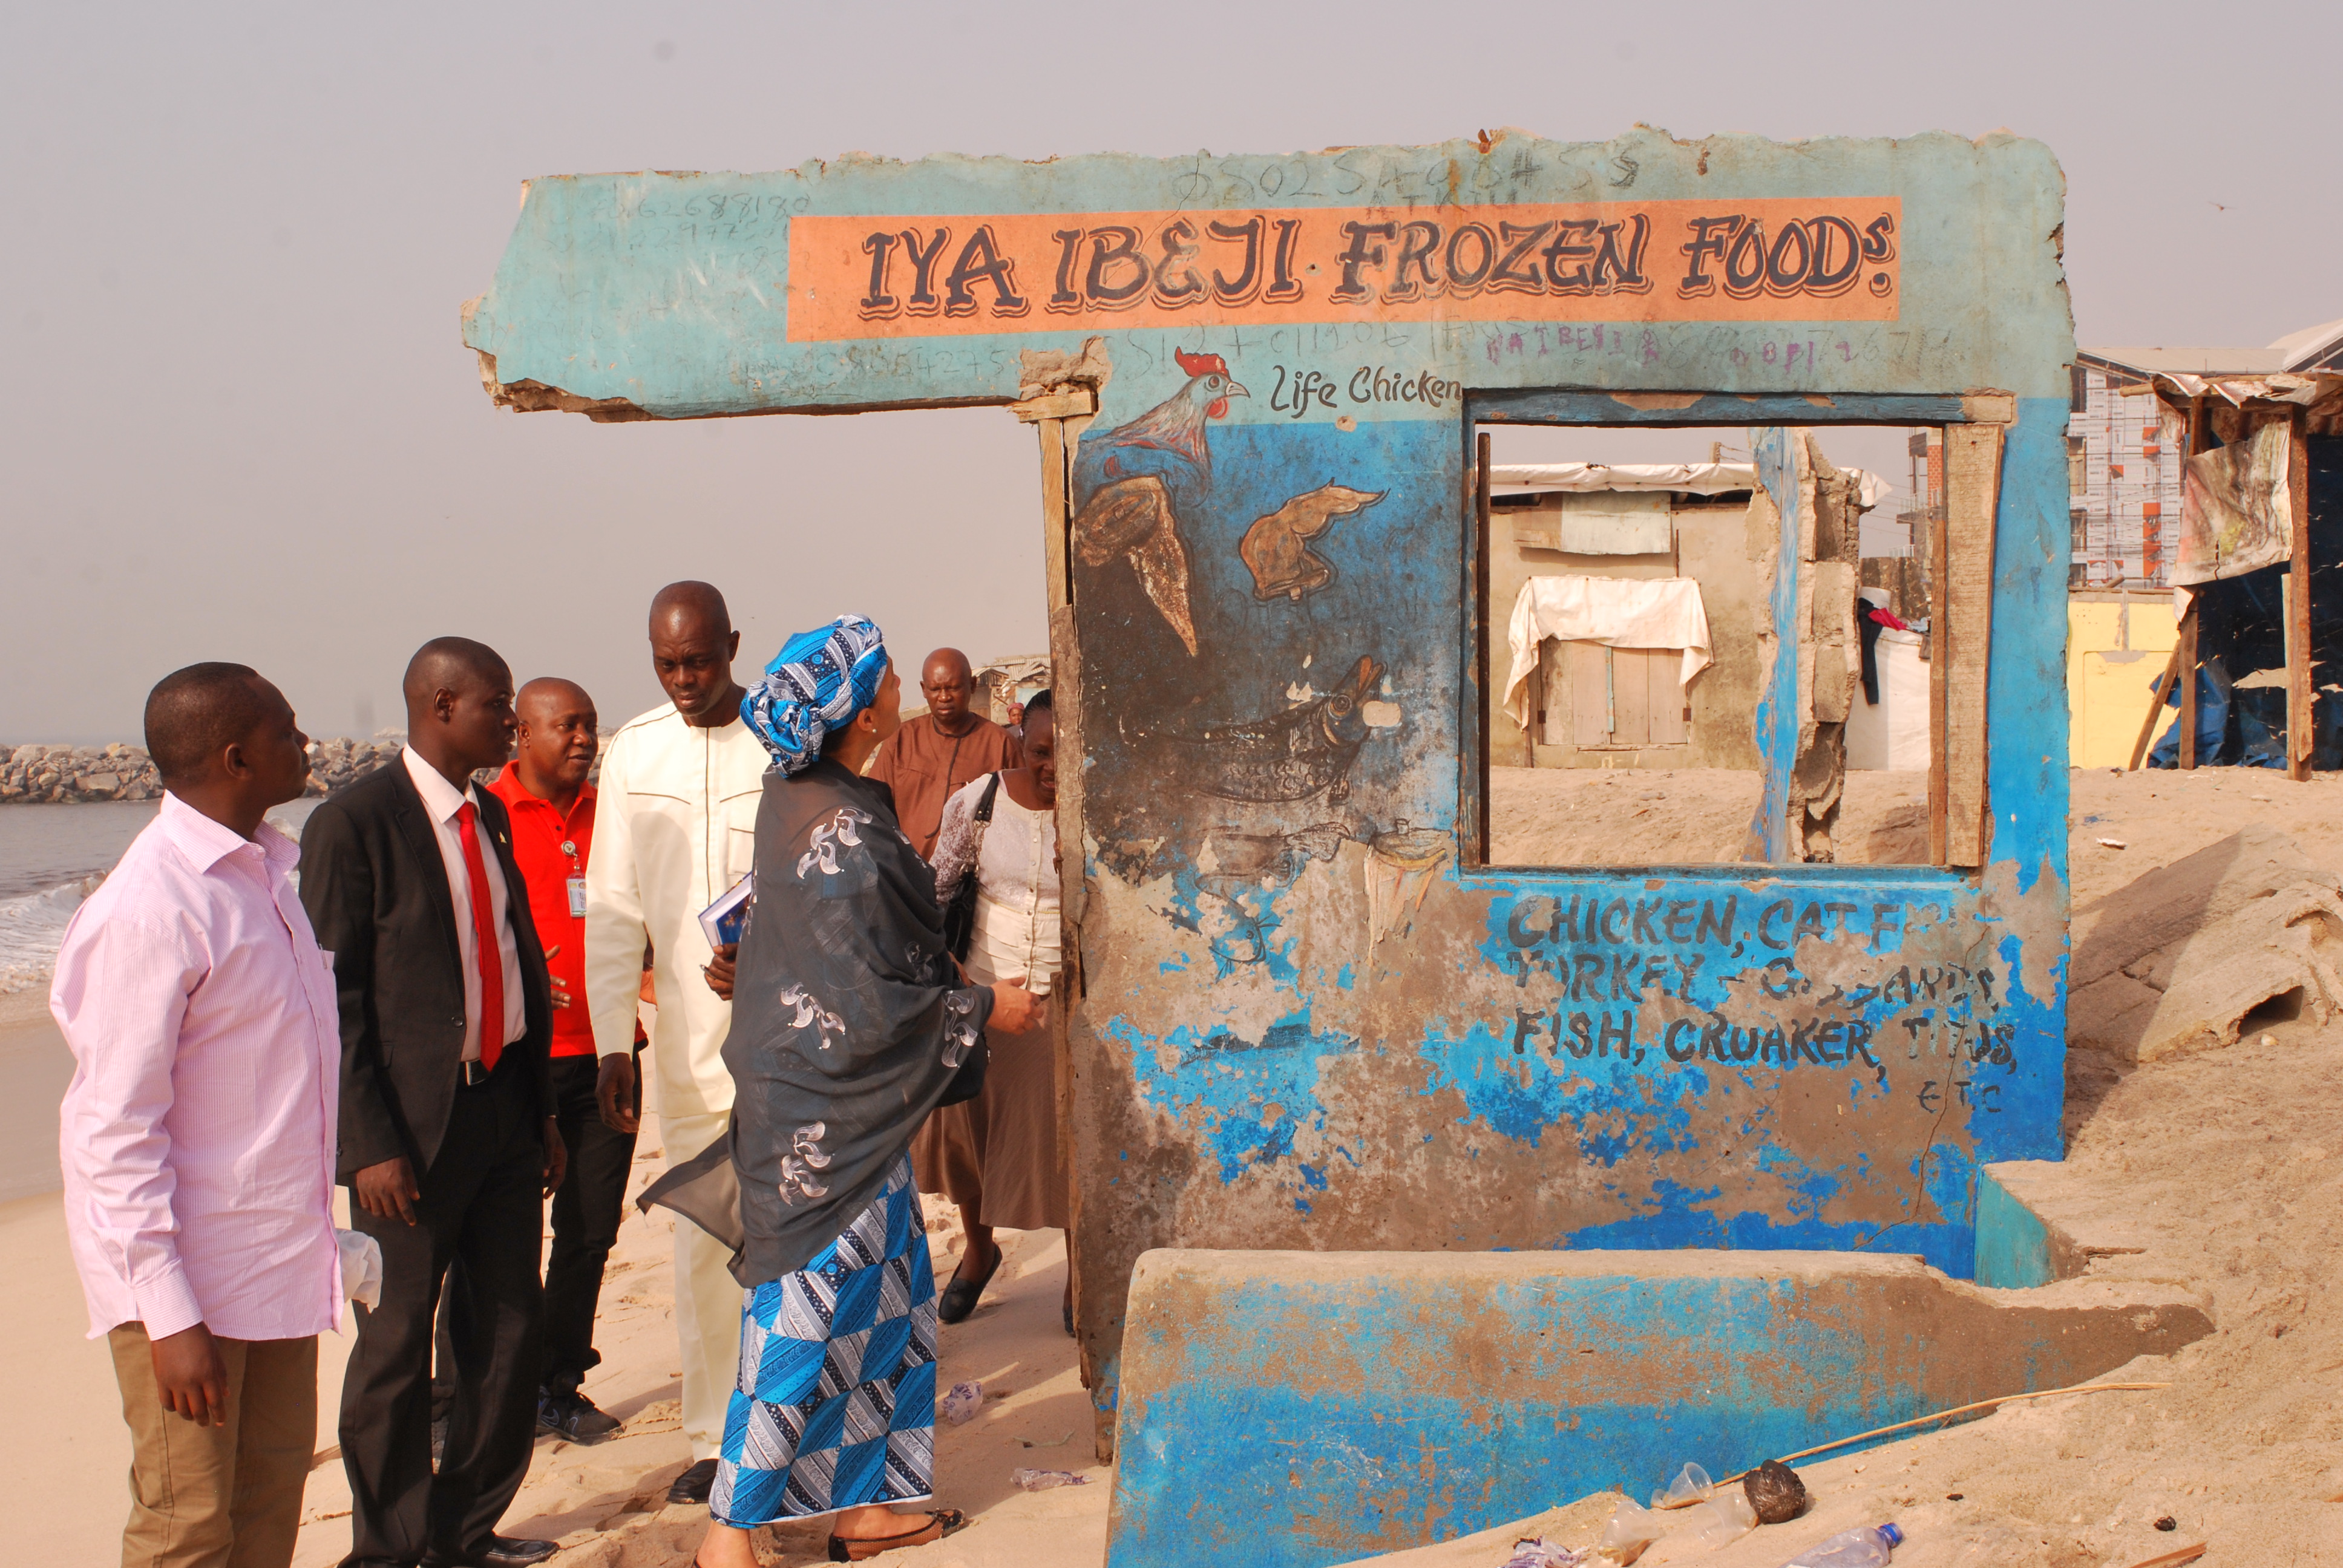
{"x":2229,"y":1165}
{"x":35,"y":1067}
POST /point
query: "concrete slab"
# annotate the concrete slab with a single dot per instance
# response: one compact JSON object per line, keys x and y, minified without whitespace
{"x":1305,"y":1409}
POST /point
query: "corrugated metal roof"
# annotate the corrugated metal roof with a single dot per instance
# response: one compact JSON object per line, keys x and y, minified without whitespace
{"x":2302,"y":347}
{"x":2162,"y":361}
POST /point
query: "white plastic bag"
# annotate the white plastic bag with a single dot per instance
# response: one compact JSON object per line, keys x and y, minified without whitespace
{"x":1043,"y":1479}
{"x":1540,"y":1552}
{"x":361,"y":1267}
{"x":960,"y":1404}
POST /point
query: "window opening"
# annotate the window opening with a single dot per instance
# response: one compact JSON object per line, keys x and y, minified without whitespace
{"x":1638,"y":706}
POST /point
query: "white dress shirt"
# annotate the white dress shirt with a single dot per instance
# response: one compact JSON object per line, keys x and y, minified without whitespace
{"x":197,"y":1137}
{"x":441,"y":802}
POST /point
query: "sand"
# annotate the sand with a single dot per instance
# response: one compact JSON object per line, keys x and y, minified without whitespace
{"x":2227,"y":1167}
{"x":35,"y":1067}
{"x":1683,"y":817}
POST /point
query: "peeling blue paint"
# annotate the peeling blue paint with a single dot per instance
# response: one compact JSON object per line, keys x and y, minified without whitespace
{"x":1303,"y":1004}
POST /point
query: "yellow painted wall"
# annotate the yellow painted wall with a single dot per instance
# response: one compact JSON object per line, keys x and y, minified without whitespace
{"x":2114,"y":650}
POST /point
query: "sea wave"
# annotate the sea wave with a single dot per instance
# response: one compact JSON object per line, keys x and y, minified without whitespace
{"x":32,"y":926}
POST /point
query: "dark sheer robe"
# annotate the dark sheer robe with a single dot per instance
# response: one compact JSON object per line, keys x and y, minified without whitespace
{"x":847,"y":1025}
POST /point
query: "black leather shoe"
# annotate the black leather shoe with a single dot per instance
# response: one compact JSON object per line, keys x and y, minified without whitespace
{"x":694,"y":1484}
{"x":961,"y":1294}
{"x":503,"y":1551}
{"x":574,"y":1417}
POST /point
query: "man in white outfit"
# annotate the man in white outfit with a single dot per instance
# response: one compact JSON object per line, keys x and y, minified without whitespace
{"x":675,"y":829}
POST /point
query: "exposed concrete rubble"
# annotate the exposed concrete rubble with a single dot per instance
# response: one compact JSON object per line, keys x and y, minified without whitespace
{"x":2177,"y":960}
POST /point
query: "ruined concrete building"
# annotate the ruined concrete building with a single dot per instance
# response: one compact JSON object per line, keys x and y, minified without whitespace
{"x":1306,"y":1014}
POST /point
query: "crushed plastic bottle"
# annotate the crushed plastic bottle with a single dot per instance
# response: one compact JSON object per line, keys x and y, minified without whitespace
{"x":1629,"y":1528}
{"x":1540,"y":1552}
{"x":1043,"y":1479}
{"x":960,"y":1406}
{"x":1691,"y":1485}
{"x":1721,"y":1520}
{"x":1866,"y":1548}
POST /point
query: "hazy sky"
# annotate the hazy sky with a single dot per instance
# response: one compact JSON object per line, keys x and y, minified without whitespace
{"x":237,"y":421}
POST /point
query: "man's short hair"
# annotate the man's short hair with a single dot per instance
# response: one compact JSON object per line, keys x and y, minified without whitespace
{"x":444,"y":663}
{"x":195,"y":714}
{"x":1040,"y":703}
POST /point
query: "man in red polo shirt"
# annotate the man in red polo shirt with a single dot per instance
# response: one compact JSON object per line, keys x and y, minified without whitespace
{"x":545,"y":790}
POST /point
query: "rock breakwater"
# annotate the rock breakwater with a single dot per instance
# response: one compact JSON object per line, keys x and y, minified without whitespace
{"x":41,"y":773}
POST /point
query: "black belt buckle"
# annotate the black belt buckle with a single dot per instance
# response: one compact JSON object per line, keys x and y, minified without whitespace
{"x":471,"y":1075}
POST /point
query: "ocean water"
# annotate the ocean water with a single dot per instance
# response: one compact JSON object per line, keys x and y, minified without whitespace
{"x":54,"y":856}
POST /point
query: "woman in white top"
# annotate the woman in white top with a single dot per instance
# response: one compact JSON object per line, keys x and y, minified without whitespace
{"x":997,"y":1156}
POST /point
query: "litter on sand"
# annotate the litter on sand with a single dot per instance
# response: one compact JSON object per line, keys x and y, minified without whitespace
{"x":2114,"y":843}
{"x":1540,"y":1552}
{"x":1691,"y":1485}
{"x":960,"y":1406}
{"x":1043,"y":1479}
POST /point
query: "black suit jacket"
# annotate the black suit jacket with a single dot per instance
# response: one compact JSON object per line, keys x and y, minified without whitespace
{"x":377,"y":892}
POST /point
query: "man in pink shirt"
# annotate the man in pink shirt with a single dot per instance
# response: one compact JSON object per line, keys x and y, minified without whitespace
{"x":198,"y":1134}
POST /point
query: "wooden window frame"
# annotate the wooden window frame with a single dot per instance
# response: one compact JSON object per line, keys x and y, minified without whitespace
{"x":1961,"y":550}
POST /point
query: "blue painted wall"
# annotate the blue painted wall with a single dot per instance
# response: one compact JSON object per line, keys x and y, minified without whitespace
{"x":1305,"y":1018}
{"x":1380,"y":1403}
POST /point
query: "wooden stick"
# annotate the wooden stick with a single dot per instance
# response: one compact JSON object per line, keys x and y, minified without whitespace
{"x":1958,"y":1410}
{"x":2300,"y":696}
{"x":1481,"y":641}
{"x":2174,"y":1559}
{"x":2156,"y":703}
{"x":2200,"y":439}
{"x":2188,"y":758}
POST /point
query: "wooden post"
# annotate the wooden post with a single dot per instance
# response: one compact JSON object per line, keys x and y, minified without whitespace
{"x":1481,"y":613}
{"x":2301,"y":698}
{"x":1537,"y":707}
{"x":1965,"y":638}
{"x":2200,"y":434}
{"x":2163,"y":684}
{"x":2188,"y":677}
{"x":1939,"y":642}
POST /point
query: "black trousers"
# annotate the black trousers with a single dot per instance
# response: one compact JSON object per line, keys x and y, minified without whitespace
{"x":586,"y":1209}
{"x":481,"y":1205}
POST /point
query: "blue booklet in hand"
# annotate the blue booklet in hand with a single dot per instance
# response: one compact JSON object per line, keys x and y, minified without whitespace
{"x":728,"y":917}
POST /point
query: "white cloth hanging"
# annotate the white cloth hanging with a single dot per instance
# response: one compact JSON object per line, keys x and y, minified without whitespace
{"x":1618,"y":612}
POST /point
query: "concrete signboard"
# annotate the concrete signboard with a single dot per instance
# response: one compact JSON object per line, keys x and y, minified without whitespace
{"x":1306,"y":1014}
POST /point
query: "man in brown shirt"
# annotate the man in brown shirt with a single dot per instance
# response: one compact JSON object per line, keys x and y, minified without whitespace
{"x":934,"y":755}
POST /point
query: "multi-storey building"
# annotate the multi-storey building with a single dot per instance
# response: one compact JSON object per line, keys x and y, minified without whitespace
{"x":2124,"y":450}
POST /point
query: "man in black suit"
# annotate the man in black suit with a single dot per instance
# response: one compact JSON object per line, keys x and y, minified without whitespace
{"x":448,"y":1138}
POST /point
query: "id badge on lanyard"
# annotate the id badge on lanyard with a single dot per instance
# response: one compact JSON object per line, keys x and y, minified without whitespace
{"x":577,"y":898}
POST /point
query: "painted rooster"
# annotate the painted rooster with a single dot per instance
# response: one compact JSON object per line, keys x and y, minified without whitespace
{"x":1133,"y":484}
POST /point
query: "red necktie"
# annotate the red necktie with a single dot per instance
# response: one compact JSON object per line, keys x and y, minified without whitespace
{"x":490,"y":956}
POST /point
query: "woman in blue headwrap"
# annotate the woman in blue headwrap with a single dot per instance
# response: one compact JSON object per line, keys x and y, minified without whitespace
{"x":848,"y":1021}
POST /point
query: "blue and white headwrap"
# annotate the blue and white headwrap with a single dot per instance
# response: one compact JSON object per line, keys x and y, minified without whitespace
{"x":817,"y":682}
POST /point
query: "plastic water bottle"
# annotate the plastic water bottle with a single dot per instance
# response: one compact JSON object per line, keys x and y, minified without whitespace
{"x":1866,"y":1548}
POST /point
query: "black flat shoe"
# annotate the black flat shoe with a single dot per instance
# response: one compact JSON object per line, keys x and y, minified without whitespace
{"x":503,"y":1551}
{"x":959,"y":1296}
{"x":694,"y":1484}
{"x":940,"y":1523}
{"x":574,"y":1417}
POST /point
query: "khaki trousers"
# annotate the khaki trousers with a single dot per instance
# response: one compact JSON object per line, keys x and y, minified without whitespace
{"x":218,"y":1497}
{"x":707,"y":1298}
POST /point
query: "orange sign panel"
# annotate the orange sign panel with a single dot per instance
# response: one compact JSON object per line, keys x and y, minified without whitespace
{"x":1779,"y":260}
